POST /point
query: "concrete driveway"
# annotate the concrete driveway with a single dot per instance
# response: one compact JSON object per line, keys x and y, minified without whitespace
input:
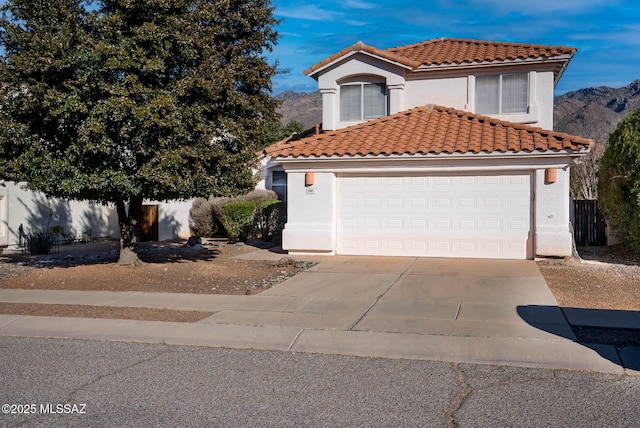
{"x":464,"y":310}
{"x":453,"y":297}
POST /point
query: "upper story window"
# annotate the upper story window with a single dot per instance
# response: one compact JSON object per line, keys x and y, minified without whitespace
{"x":502,"y":94}
{"x":362,"y":101}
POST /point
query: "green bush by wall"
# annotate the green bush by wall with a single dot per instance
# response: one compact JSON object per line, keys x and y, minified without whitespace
{"x":237,"y":218}
{"x":619,"y":182}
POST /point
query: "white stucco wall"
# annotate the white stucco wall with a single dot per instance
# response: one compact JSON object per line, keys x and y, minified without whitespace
{"x":310,"y":223}
{"x":551,"y":212}
{"x":34,"y":211}
{"x":173,"y":220}
{"x":544,"y":97}
{"x":437,"y":89}
{"x":450,"y":88}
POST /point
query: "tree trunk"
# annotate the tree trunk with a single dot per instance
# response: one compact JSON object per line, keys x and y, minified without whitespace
{"x":129,"y":221}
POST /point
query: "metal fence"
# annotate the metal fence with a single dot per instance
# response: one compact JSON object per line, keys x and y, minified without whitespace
{"x":590,"y":227}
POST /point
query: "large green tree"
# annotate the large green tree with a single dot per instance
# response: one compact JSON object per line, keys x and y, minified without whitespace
{"x":117,"y":101}
{"x":619,"y":181}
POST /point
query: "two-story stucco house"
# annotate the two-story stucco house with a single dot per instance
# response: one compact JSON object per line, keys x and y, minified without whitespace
{"x":439,"y":149}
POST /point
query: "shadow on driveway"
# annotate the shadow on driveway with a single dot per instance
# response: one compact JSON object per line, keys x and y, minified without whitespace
{"x":613,"y":334}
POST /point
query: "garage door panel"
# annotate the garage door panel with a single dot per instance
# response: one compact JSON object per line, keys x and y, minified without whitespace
{"x":395,"y":224}
{"x":417,"y":224}
{"x":468,"y":225}
{"x":467,"y":248}
{"x":466,"y":202}
{"x":396,"y":203}
{"x":440,"y":216}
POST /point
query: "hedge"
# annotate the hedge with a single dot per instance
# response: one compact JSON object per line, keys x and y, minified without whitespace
{"x":237,"y":218}
{"x":619,"y":182}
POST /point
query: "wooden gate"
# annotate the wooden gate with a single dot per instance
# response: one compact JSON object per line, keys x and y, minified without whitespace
{"x":149,"y":223}
{"x":590,"y":227}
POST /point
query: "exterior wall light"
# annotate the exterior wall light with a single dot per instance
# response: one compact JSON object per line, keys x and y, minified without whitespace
{"x":550,"y":175}
{"x":309,"y":179}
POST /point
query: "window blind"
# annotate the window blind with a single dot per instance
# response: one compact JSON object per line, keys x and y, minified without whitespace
{"x":488,"y":94}
{"x":506,"y":93}
{"x":515,"y":88}
{"x":350,"y":97}
{"x":373,"y":101}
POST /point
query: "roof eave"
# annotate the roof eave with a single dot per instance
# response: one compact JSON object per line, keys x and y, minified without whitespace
{"x":314,"y":73}
{"x":432,"y":156}
{"x":563,"y":67}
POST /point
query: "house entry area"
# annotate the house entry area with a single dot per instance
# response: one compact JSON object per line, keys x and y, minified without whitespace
{"x":474,"y":216}
{"x":149,"y":223}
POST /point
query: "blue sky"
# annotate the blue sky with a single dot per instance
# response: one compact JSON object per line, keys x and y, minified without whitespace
{"x":606,"y":32}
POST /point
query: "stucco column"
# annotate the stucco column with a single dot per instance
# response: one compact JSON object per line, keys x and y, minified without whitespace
{"x":552,"y":231}
{"x":395,"y":98}
{"x":311,"y":214}
{"x":329,"y":108}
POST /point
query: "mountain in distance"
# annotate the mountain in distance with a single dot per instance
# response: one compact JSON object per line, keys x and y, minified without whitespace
{"x":595,"y":112}
{"x":591,"y":112}
{"x":302,"y":107}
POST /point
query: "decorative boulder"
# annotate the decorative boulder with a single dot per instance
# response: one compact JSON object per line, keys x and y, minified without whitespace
{"x":193,"y":241}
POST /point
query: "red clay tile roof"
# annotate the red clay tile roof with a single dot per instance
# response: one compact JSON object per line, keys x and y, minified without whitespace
{"x":463,"y":51}
{"x":438,"y":52}
{"x":428,"y":130}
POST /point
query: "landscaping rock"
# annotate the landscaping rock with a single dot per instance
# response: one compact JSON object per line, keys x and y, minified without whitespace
{"x":193,"y":241}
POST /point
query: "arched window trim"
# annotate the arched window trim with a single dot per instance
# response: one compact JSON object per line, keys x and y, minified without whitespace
{"x":363,"y":97}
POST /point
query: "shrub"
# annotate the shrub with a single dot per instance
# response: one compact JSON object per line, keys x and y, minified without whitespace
{"x":201,"y":218}
{"x":619,"y":182}
{"x":216,"y":212}
{"x":206,"y":214}
{"x":259,"y":195}
{"x":237,"y":218}
{"x":206,"y":217}
{"x":269,"y":219}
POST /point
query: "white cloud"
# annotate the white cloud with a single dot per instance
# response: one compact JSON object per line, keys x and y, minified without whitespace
{"x":358,"y":4}
{"x":288,"y":34}
{"x":526,"y":7}
{"x":308,"y":12}
{"x":356,"y":23}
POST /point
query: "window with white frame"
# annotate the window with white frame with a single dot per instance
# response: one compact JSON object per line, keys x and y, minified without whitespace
{"x":362,"y":101}
{"x":502,"y":94}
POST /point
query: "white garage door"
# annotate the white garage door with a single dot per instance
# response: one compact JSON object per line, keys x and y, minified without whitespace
{"x":485,"y":216}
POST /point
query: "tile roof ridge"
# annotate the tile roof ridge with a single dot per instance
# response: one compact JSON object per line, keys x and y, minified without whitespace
{"x":522,"y":44}
{"x":476,"y":41}
{"x":417,"y":44}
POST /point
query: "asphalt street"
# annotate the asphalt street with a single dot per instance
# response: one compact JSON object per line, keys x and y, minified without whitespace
{"x":92,"y":383}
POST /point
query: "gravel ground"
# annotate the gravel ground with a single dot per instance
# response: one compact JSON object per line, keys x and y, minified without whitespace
{"x":606,"y":278}
{"x":169,"y":267}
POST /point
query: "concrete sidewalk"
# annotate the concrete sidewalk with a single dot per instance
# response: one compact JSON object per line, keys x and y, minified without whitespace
{"x":478,"y":311}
